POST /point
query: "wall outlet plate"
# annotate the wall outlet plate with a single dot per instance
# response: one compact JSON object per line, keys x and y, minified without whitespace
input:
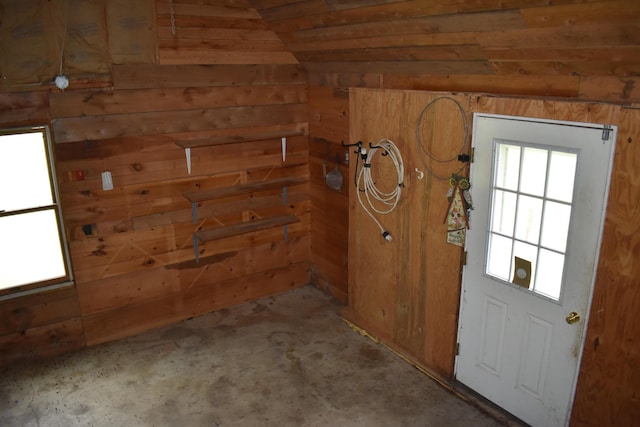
{"x":107,"y":182}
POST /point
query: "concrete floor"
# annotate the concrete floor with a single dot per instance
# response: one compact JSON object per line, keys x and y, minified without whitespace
{"x":287,"y":360}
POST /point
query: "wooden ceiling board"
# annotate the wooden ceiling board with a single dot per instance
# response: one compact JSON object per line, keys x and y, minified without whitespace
{"x":512,"y":38}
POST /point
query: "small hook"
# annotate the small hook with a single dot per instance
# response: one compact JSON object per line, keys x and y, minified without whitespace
{"x":420,"y":173}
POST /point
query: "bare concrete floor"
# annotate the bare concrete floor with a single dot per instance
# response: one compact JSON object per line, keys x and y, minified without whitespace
{"x":287,"y":360}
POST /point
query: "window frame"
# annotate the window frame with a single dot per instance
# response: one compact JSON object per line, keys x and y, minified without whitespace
{"x":67,"y":279}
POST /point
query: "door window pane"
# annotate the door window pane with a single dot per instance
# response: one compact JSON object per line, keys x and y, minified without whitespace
{"x":528,"y":221}
{"x":504,"y":212}
{"x":534,"y":168}
{"x":507,"y":167}
{"x":555,"y":229}
{"x":500,"y":249}
{"x":562,"y":173}
{"x":525,"y":222}
{"x":549,"y":274}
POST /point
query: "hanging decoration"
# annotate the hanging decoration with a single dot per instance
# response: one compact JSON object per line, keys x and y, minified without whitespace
{"x":460,"y":204}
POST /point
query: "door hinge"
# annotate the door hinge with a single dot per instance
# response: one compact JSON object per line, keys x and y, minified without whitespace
{"x":606,"y":133}
{"x":464,"y":258}
{"x":457,"y":349}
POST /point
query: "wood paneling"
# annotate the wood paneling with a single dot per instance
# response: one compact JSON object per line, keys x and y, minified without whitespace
{"x":223,"y":76}
{"x":17,"y":315}
{"x":569,"y":49}
{"x":516,"y":47}
{"x":608,"y":385}
{"x":420,"y":322}
{"x":329,"y":123}
{"x":136,"y":269}
{"x":224,"y":55}
{"x":216,"y":34}
{"x":40,"y":325}
{"x":408,"y":289}
{"x":42,"y":342}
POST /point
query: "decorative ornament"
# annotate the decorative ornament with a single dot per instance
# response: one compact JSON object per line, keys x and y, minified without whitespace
{"x":460,"y":204}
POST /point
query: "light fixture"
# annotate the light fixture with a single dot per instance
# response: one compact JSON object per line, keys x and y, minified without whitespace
{"x":62,"y":82}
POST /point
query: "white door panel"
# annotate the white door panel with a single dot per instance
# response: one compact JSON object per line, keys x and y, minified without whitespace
{"x":516,"y":346}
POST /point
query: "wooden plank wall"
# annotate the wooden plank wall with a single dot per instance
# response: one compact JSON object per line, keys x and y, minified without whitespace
{"x":223,"y":73}
{"x":541,"y":50}
{"x":407,"y":292}
{"x":607,"y":390}
{"x":587,"y":50}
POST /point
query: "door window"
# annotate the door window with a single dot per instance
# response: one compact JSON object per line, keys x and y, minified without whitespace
{"x":531,"y":205}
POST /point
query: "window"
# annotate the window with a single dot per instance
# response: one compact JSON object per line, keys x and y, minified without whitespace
{"x":531,"y":202}
{"x":33,"y":251}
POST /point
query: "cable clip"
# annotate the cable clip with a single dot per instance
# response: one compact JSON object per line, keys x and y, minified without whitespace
{"x":464,"y":158}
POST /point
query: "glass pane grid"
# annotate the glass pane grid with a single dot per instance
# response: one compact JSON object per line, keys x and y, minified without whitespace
{"x":531,"y":194}
{"x":31,"y":213}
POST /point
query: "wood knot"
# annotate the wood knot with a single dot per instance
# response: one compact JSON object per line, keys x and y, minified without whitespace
{"x":100,"y":251}
{"x":137,"y":167}
{"x":144,"y":192}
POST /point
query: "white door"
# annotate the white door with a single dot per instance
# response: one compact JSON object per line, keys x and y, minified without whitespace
{"x":539,"y":193}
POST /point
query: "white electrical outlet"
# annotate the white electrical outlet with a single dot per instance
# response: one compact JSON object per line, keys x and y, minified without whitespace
{"x":107,"y":182}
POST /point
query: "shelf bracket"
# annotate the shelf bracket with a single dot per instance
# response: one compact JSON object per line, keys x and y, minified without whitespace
{"x":194,"y":213}
{"x":195,"y":248}
{"x":284,"y":148}
{"x":187,"y":153}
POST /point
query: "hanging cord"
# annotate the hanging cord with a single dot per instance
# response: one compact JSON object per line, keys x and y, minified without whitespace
{"x":64,"y":36}
{"x":172,"y":13}
{"x":423,"y":151}
{"x":374,"y":196}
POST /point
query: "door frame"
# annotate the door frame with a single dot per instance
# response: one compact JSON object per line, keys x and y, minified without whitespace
{"x":601,"y":222}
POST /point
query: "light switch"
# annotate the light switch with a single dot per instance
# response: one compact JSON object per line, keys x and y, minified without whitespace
{"x":107,"y":182}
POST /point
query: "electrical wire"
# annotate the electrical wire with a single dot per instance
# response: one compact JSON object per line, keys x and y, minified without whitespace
{"x":423,"y":151}
{"x":172,"y":14}
{"x":64,"y":36}
{"x":379,"y":201}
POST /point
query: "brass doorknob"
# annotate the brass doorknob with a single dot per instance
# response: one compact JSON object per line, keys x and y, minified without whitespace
{"x":573,"y":317}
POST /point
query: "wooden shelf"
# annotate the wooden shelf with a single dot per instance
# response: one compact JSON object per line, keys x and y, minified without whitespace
{"x":245,"y":227}
{"x":235,"y":139}
{"x":217,"y":193}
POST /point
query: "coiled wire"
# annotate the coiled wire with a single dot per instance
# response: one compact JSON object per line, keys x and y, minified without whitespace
{"x":377,"y":200}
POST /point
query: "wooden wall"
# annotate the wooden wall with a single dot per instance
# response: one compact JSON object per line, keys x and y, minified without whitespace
{"x":406,"y":292}
{"x":571,"y":49}
{"x":223,"y":75}
{"x":587,"y":50}
{"x":535,"y":50}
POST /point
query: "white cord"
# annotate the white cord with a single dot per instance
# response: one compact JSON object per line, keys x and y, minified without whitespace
{"x":374,"y":196}
{"x":172,"y":13}
{"x":64,"y":36}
